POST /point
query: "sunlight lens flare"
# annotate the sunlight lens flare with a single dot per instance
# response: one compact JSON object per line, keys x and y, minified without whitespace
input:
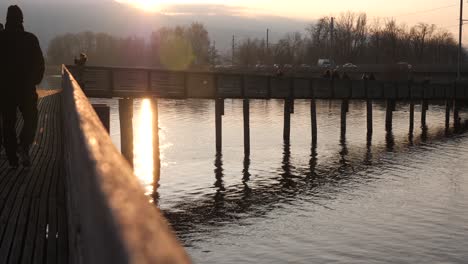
{"x":176,"y":53}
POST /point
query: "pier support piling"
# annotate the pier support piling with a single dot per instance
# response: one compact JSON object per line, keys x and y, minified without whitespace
{"x":103,"y":112}
{"x":246,"y":108}
{"x":126,"y":128}
{"x":369,"y":118}
{"x":219,"y":111}
{"x":424,"y":108}
{"x":411,"y":117}
{"x":389,"y":115}
{"x":344,"y":111}
{"x":313,"y":117}
{"x":456,"y":115}
{"x":156,"y":150}
{"x":447,"y":114}
{"x":287,"y":119}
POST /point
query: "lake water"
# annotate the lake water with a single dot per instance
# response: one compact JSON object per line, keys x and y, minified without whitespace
{"x":392,"y":199}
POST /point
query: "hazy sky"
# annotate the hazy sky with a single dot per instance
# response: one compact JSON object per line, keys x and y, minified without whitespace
{"x":407,"y":11}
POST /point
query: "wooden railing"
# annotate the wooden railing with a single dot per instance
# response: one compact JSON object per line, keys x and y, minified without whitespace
{"x":110,"y":218}
{"x":132,"y":82}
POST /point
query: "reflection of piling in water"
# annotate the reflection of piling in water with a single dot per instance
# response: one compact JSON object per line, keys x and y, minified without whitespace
{"x":126,"y":128}
{"x":219,"y":183}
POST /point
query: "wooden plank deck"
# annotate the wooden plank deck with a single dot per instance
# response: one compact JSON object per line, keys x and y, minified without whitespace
{"x":33,"y":224}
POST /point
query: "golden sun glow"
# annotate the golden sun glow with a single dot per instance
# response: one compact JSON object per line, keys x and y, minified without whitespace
{"x":143,"y":149}
{"x":145,"y":5}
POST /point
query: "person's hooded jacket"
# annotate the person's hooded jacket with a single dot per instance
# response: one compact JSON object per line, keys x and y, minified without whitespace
{"x":21,"y":60}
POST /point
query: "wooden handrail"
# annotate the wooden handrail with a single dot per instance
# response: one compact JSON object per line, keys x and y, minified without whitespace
{"x":110,"y":218}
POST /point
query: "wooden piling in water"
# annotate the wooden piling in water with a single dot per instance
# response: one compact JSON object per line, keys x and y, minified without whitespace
{"x":369,"y":118}
{"x":287,"y":119}
{"x":313,"y":117}
{"x":156,"y":149}
{"x":344,"y":111}
{"x":103,"y":112}
{"x":411,"y":117}
{"x":246,"y":107}
{"x":456,"y":116}
{"x":424,"y":108}
{"x":389,"y":115}
{"x":447,"y":114}
{"x":126,"y":128}
{"x":219,"y":111}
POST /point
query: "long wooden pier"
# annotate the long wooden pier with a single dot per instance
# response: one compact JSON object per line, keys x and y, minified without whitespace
{"x":130,"y":83}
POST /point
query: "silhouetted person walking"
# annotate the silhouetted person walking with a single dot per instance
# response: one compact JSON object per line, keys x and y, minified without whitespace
{"x":21,"y":69}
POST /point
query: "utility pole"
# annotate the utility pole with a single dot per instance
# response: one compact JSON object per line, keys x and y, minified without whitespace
{"x":267,"y":53}
{"x":460,"y":42}
{"x":268,"y":39}
{"x":332,"y":40}
{"x":233,"y":48}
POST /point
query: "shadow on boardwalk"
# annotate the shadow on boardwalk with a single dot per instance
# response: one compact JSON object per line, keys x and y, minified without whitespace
{"x":33,"y":224}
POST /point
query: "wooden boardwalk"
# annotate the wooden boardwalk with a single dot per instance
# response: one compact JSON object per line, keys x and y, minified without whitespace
{"x":33,"y":217}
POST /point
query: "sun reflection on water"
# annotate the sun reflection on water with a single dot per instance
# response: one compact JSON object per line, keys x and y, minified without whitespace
{"x":143,"y":146}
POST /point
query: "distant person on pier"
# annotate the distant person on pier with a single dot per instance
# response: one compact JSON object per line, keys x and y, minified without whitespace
{"x":327,"y":75}
{"x":335,"y":75}
{"x":21,"y":69}
{"x":80,"y":64}
{"x":1,"y":103}
{"x":345,"y":76}
{"x":82,"y":60}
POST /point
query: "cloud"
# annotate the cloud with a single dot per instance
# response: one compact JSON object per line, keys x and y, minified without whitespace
{"x":205,"y":9}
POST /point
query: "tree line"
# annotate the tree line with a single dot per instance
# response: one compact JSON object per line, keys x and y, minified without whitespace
{"x":171,"y":48}
{"x":353,"y":39}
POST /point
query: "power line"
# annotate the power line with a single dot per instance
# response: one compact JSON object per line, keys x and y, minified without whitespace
{"x":419,"y":12}
{"x":425,"y":11}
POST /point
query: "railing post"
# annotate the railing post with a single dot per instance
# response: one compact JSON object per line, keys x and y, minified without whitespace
{"x":126,"y":128}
